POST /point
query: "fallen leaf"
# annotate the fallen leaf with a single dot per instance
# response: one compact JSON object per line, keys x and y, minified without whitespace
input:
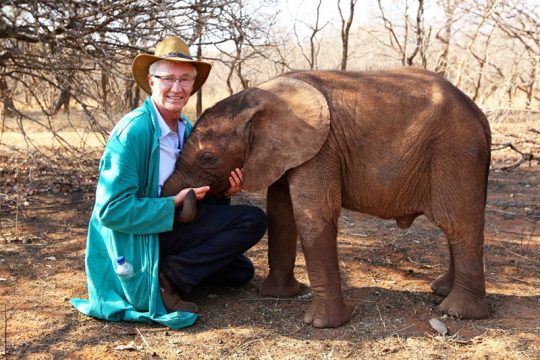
{"x":305,"y":296}
{"x":462,"y":340}
{"x":129,"y":347}
{"x":439,"y":326}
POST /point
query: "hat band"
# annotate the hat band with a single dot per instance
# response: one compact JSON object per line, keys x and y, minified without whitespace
{"x":177,"y":54}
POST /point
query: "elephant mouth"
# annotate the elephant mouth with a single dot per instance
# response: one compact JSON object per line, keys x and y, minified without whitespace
{"x":214,"y":187}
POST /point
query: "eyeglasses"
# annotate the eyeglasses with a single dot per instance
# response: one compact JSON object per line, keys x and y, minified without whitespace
{"x":169,"y":81}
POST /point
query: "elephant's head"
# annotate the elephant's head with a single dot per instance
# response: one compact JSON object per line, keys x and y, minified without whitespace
{"x":265,"y":130}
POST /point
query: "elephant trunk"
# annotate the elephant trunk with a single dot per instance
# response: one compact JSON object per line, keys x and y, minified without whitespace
{"x":188,"y":212}
{"x":179,"y":179}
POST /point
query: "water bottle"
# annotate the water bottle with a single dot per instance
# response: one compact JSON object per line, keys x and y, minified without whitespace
{"x":124,"y":270}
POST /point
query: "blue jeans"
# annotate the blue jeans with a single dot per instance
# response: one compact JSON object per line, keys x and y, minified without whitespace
{"x":211,"y":247}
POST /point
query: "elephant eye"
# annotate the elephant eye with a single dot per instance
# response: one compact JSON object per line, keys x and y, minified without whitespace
{"x":207,"y":159}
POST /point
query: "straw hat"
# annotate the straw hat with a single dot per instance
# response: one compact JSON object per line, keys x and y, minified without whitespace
{"x":172,"y":48}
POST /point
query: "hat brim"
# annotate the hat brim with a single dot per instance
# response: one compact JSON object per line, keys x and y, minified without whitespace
{"x":142,"y":62}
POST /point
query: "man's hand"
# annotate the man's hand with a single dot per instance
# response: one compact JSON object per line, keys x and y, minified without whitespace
{"x":200,"y":192}
{"x":235,"y":180}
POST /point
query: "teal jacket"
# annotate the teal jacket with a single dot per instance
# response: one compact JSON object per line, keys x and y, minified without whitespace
{"x":126,"y":220}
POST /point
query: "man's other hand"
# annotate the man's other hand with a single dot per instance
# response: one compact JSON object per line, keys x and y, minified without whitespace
{"x":235,"y":180}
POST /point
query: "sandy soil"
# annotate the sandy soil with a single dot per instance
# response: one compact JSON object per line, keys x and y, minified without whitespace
{"x":386,"y":272}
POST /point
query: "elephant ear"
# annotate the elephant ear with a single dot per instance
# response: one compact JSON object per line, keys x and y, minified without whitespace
{"x":290,"y":127}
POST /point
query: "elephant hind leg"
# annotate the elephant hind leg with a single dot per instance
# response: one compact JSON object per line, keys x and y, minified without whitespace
{"x":464,"y":283}
{"x":442,"y":285}
{"x":458,"y":197}
{"x":466,"y":298}
{"x":405,"y":222}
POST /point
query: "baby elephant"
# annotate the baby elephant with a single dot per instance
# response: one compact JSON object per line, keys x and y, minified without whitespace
{"x":394,"y":144}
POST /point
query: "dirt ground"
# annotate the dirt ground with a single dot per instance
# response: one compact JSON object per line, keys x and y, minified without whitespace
{"x":45,"y":204}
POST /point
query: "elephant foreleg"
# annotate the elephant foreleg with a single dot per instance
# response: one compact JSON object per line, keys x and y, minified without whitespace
{"x":328,"y":308}
{"x":317,"y":205}
{"x":282,"y":238}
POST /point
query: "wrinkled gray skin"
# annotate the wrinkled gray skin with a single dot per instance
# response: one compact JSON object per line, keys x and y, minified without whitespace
{"x":394,"y":144}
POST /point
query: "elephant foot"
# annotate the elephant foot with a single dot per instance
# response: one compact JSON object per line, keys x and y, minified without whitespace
{"x":328,"y":314}
{"x":443,"y":284}
{"x":464,"y":306}
{"x":272,"y":287}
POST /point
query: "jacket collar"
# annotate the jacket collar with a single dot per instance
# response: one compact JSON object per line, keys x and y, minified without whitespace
{"x":150,"y":110}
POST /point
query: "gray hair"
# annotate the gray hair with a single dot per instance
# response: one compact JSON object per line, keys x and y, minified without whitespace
{"x":153,"y":66}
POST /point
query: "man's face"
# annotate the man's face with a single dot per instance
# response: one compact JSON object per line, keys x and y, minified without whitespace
{"x":171,"y":85}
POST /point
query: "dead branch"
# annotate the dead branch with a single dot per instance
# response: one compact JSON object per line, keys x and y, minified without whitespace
{"x":524,"y":156}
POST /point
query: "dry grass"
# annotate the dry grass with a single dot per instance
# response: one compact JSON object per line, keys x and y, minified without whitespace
{"x":45,"y":204}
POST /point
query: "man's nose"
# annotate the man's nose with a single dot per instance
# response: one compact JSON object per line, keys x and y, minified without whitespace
{"x":176,"y":86}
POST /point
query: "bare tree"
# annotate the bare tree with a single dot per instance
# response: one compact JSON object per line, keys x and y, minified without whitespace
{"x":345,"y":31}
{"x":519,"y":20}
{"x":79,"y":52}
{"x":6,"y":98}
{"x":314,"y":29}
{"x":407,"y":33}
{"x":246,"y":30}
{"x":76,"y":54}
{"x":444,"y":35}
{"x":204,"y":12}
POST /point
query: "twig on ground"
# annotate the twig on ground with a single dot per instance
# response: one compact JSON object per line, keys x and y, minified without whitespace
{"x":297,"y":330}
{"x":5,"y":331}
{"x":144,"y":341}
{"x":354,"y":311}
{"x":244,"y":344}
{"x":517,"y":233}
{"x":380,"y":316}
{"x":521,"y":281}
{"x":405,"y":328}
{"x":521,"y":247}
{"x":523,"y":257}
{"x":524,"y":156}
{"x":422,"y":265}
{"x":266,"y":348}
{"x":274,"y":299}
{"x":531,"y":234}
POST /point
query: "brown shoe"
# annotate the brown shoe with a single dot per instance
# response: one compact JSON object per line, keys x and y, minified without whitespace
{"x":171,"y":299}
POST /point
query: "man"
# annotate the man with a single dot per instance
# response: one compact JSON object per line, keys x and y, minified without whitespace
{"x":131,"y":220}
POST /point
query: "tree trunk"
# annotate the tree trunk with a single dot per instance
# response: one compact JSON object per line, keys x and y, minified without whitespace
{"x":7,"y":99}
{"x":63,"y":100}
{"x":530,"y":87}
{"x":104,"y":91}
{"x":128,"y":94}
{"x":199,"y":93}
{"x":345,"y":32}
{"x":136,"y":97}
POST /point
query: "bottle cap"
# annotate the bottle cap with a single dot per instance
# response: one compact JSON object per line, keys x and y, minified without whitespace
{"x":120,"y":260}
